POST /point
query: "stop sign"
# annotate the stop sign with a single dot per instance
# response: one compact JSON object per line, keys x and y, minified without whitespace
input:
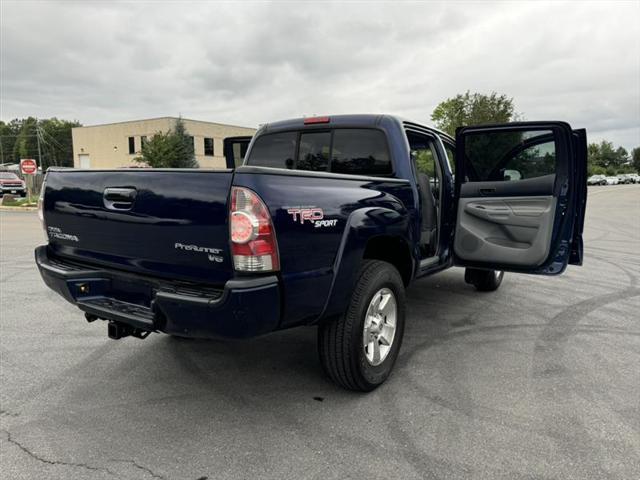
{"x":28,"y":166}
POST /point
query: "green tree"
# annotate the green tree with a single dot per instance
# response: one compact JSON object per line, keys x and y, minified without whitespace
{"x":622,"y":159}
{"x":622,"y":154}
{"x":473,"y":109}
{"x":7,"y":139}
{"x":26,"y":143}
{"x":594,"y":166}
{"x":608,"y":157}
{"x":56,"y":142}
{"x":604,"y":158}
{"x":172,"y":149}
{"x":635,"y":159}
{"x":19,"y":139}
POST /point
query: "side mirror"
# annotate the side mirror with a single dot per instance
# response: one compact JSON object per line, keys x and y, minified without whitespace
{"x":512,"y":175}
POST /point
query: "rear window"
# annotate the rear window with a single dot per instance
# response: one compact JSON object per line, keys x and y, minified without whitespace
{"x":314,"y":151}
{"x":360,"y":152}
{"x":348,"y":150}
{"x":276,"y":150}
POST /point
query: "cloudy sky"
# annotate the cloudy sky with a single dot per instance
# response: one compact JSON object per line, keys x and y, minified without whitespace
{"x":250,"y":63}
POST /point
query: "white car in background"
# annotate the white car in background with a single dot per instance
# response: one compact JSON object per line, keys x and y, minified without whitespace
{"x":624,"y":179}
{"x":635,"y":178}
{"x":612,"y":181}
{"x":597,"y":180}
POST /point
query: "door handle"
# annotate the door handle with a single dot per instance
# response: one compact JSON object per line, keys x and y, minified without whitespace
{"x":487,"y":191}
{"x":119,"y":198}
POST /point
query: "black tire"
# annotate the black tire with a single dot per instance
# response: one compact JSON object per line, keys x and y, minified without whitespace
{"x":340,"y":340}
{"x":484,"y":280}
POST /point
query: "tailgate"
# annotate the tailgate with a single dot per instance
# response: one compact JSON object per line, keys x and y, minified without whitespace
{"x":165,"y":223}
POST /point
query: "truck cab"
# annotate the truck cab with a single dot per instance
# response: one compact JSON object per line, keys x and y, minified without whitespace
{"x":326,"y":222}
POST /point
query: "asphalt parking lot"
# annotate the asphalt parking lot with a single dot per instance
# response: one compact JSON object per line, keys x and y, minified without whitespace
{"x":538,"y":380}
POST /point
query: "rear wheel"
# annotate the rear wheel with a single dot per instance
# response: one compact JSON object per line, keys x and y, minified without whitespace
{"x":358,"y":349}
{"x":484,"y":280}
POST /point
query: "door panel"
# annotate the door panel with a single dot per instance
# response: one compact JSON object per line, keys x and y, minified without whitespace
{"x":514,"y":230}
{"x":518,"y":194}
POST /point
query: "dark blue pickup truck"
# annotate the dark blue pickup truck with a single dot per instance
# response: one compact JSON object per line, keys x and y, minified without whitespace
{"x":325,"y":223}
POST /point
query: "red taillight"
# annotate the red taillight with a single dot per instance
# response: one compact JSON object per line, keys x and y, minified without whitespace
{"x":243,"y":227}
{"x":312,"y":120}
{"x":253,"y":239}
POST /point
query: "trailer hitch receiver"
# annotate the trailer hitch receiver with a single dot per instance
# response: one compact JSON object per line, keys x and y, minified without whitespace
{"x":117,"y":330}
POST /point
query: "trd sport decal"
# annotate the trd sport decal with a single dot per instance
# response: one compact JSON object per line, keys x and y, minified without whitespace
{"x":312,"y":215}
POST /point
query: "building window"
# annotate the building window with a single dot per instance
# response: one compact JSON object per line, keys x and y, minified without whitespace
{"x":132,"y":145}
{"x":143,"y":141}
{"x":208,"y":147}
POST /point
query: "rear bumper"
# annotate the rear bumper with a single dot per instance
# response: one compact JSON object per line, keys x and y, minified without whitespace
{"x":243,"y":308}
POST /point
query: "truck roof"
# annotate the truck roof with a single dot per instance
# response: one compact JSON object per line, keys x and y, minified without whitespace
{"x":344,"y":120}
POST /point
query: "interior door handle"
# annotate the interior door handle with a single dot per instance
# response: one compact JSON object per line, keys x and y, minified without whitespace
{"x":119,"y":198}
{"x":487,"y":191}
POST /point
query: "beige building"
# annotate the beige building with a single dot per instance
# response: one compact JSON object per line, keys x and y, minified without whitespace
{"x":115,"y":145}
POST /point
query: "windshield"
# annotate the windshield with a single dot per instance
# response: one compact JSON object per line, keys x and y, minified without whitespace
{"x":9,"y":175}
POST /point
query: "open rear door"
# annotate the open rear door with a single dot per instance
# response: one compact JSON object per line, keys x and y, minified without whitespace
{"x":235,"y":149}
{"x":520,"y":191}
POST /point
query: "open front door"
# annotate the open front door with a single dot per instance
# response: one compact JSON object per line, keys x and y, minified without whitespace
{"x":520,"y":191}
{"x":235,"y":149}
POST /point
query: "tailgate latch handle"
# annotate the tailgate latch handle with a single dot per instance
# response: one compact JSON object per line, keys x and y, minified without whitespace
{"x":119,"y":198}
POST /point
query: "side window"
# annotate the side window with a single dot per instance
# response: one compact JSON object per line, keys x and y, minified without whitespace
{"x":275,"y":150}
{"x":534,"y":161}
{"x":313,"y":153}
{"x":451,"y":155}
{"x":510,"y":156}
{"x":425,"y":159}
{"x":424,"y":156}
{"x":360,"y":152}
{"x":239,"y":151}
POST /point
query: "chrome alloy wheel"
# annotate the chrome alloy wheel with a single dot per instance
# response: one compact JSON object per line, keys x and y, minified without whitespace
{"x":379,"y":326}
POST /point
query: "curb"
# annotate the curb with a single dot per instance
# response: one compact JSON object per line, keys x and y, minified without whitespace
{"x":18,"y":209}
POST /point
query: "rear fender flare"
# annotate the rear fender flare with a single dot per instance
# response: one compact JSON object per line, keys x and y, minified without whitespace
{"x":362,"y":225}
